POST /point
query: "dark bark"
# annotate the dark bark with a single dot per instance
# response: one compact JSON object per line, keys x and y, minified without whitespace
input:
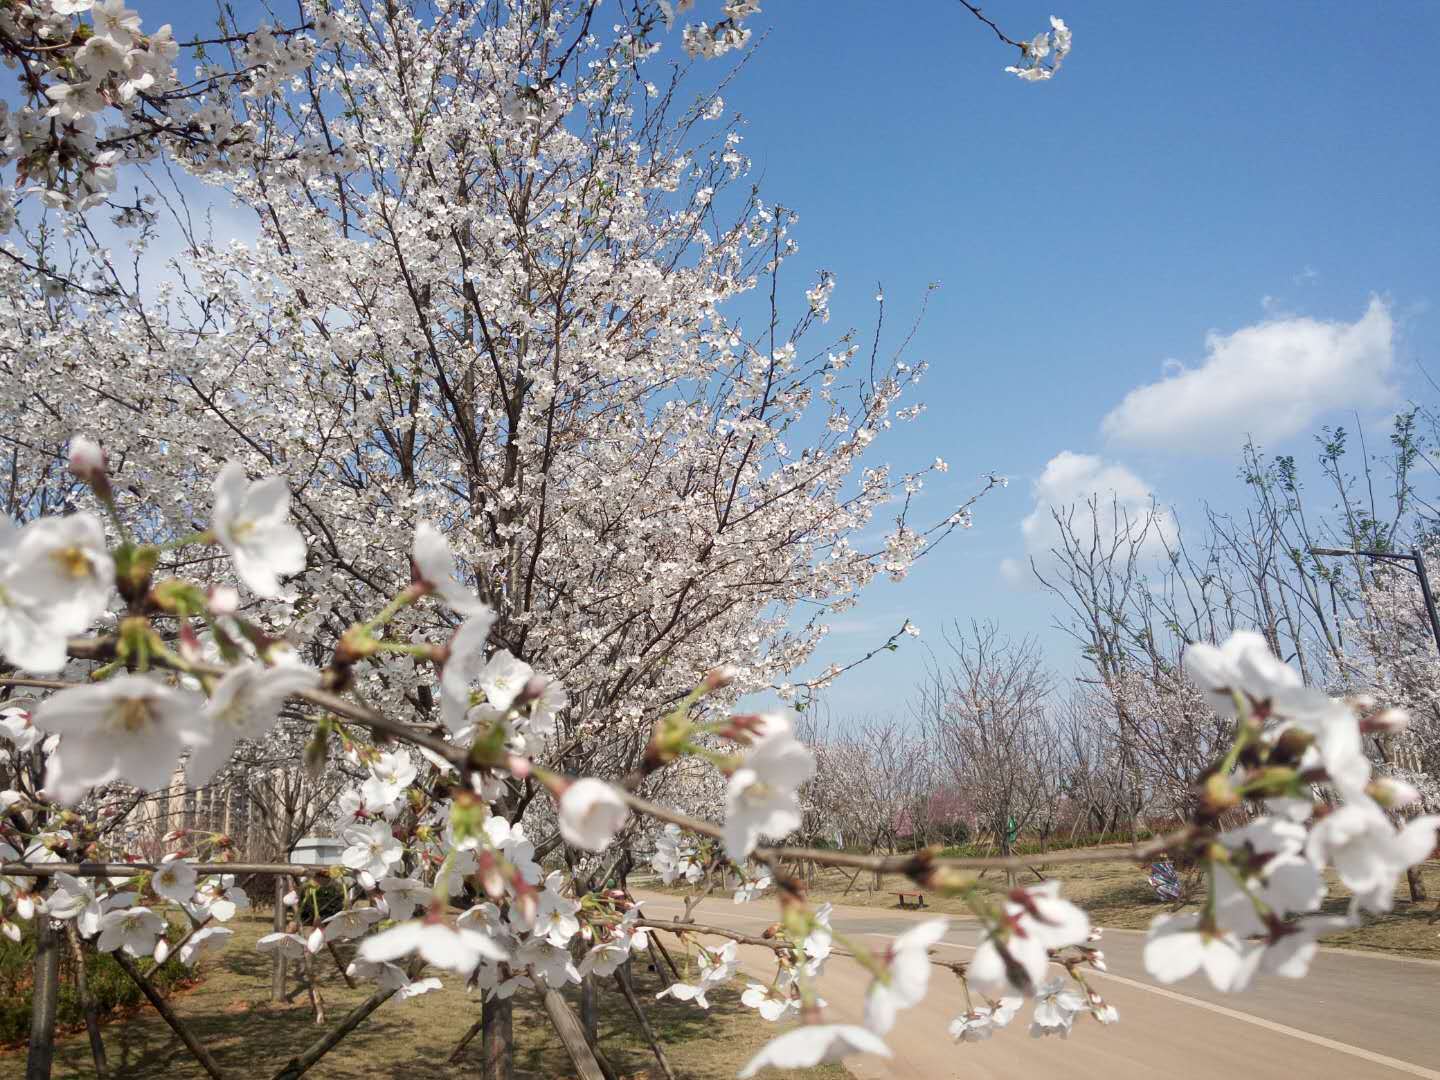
{"x":44,"y":999}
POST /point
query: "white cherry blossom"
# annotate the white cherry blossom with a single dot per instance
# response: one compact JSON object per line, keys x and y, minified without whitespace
{"x":591,"y":813}
{"x":502,"y":679}
{"x":980,"y":1023}
{"x":73,"y":898}
{"x":465,"y":662}
{"x":351,"y":923}
{"x":815,"y":1044}
{"x":771,"y":1004}
{"x":906,"y":964}
{"x":403,"y":895}
{"x":1056,"y":1006}
{"x":1368,"y":852}
{"x":458,"y":950}
{"x":291,"y":946}
{"x":435,"y":566}
{"x":132,"y":930}
{"x":1177,"y":947}
{"x":17,"y":726}
{"x":175,"y":880}
{"x":245,"y":705}
{"x":761,"y":797}
{"x":556,"y":921}
{"x":129,"y":727}
{"x":56,"y":577}
{"x":373,"y":849}
{"x":252,"y":523}
{"x":206,"y":940}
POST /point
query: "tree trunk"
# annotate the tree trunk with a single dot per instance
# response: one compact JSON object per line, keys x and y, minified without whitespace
{"x":497,"y":1040}
{"x":44,"y":1000}
{"x":1417,"y":884}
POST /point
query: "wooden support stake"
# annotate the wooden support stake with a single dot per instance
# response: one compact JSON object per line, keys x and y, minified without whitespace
{"x":277,"y":961}
{"x":44,"y":1000}
{"x":656,"y":943}
{"x":622,"y":978}
{"x":298,"y":1066}
{"x":340,"y":966}
{"x":168,"y":1014}
{"x":87,"y":1002}
{"x":589,"y":1014}
{"x":466,"y":1039}
{"x":568,"y":1028}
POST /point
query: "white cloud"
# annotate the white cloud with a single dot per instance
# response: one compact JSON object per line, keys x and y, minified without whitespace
{"x":1069,"y":481}
{"x":1271,"y":380}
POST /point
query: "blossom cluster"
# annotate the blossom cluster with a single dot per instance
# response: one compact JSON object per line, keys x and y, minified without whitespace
{"x":1043,"y":54}
{"x":437,"y":872}
{"x":1299,"y":755}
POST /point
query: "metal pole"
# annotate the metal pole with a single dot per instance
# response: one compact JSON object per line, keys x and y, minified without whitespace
{"x":1429,"y":596}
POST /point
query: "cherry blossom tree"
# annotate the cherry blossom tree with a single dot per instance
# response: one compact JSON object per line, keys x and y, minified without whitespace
{"x":480,"y":483}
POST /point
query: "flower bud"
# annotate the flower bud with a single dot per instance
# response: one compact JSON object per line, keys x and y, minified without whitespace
{"x":1385,"y":722}
{"x":948,"y":879}
{"x":316,"y":751}
{"x":88,"y":463}
{"x":222,"y":600}
{"x":527,"y":901}
{"x":719,"y":677}
{"x":316,"y":941}
{"x":133,"y":569}
{"x":355,"y":644}
{"x":1290,"y":745}
{"x":1392,"y":793}
{"x":492,"y":879}
{"x":532,"y":691}
{"x":191,"y":648}
{"x":1218,"y":795}
{"x":162,"y":951}
{"x":519,"y":767}
{"x":1273,"y":780}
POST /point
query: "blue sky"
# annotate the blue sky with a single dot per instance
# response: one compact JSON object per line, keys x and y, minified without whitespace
{"x":1193,"y":169}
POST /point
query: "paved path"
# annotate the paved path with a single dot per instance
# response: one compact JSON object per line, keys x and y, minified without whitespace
{"x":1358,"y":1016}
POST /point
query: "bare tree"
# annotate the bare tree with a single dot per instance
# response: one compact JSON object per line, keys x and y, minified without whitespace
{"x":985,"y":707}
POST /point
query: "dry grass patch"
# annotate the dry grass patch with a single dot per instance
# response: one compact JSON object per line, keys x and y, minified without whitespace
{"x":231,"y":1013}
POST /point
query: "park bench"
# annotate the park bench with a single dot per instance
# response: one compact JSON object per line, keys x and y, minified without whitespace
{"x":919,"y":899}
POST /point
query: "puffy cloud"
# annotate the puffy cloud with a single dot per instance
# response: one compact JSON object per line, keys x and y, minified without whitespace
{"x":1271,"y":380}
{"x":1069,"y":481}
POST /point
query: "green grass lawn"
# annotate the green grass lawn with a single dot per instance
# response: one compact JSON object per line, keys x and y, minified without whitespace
{"x":230,"y":1011}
